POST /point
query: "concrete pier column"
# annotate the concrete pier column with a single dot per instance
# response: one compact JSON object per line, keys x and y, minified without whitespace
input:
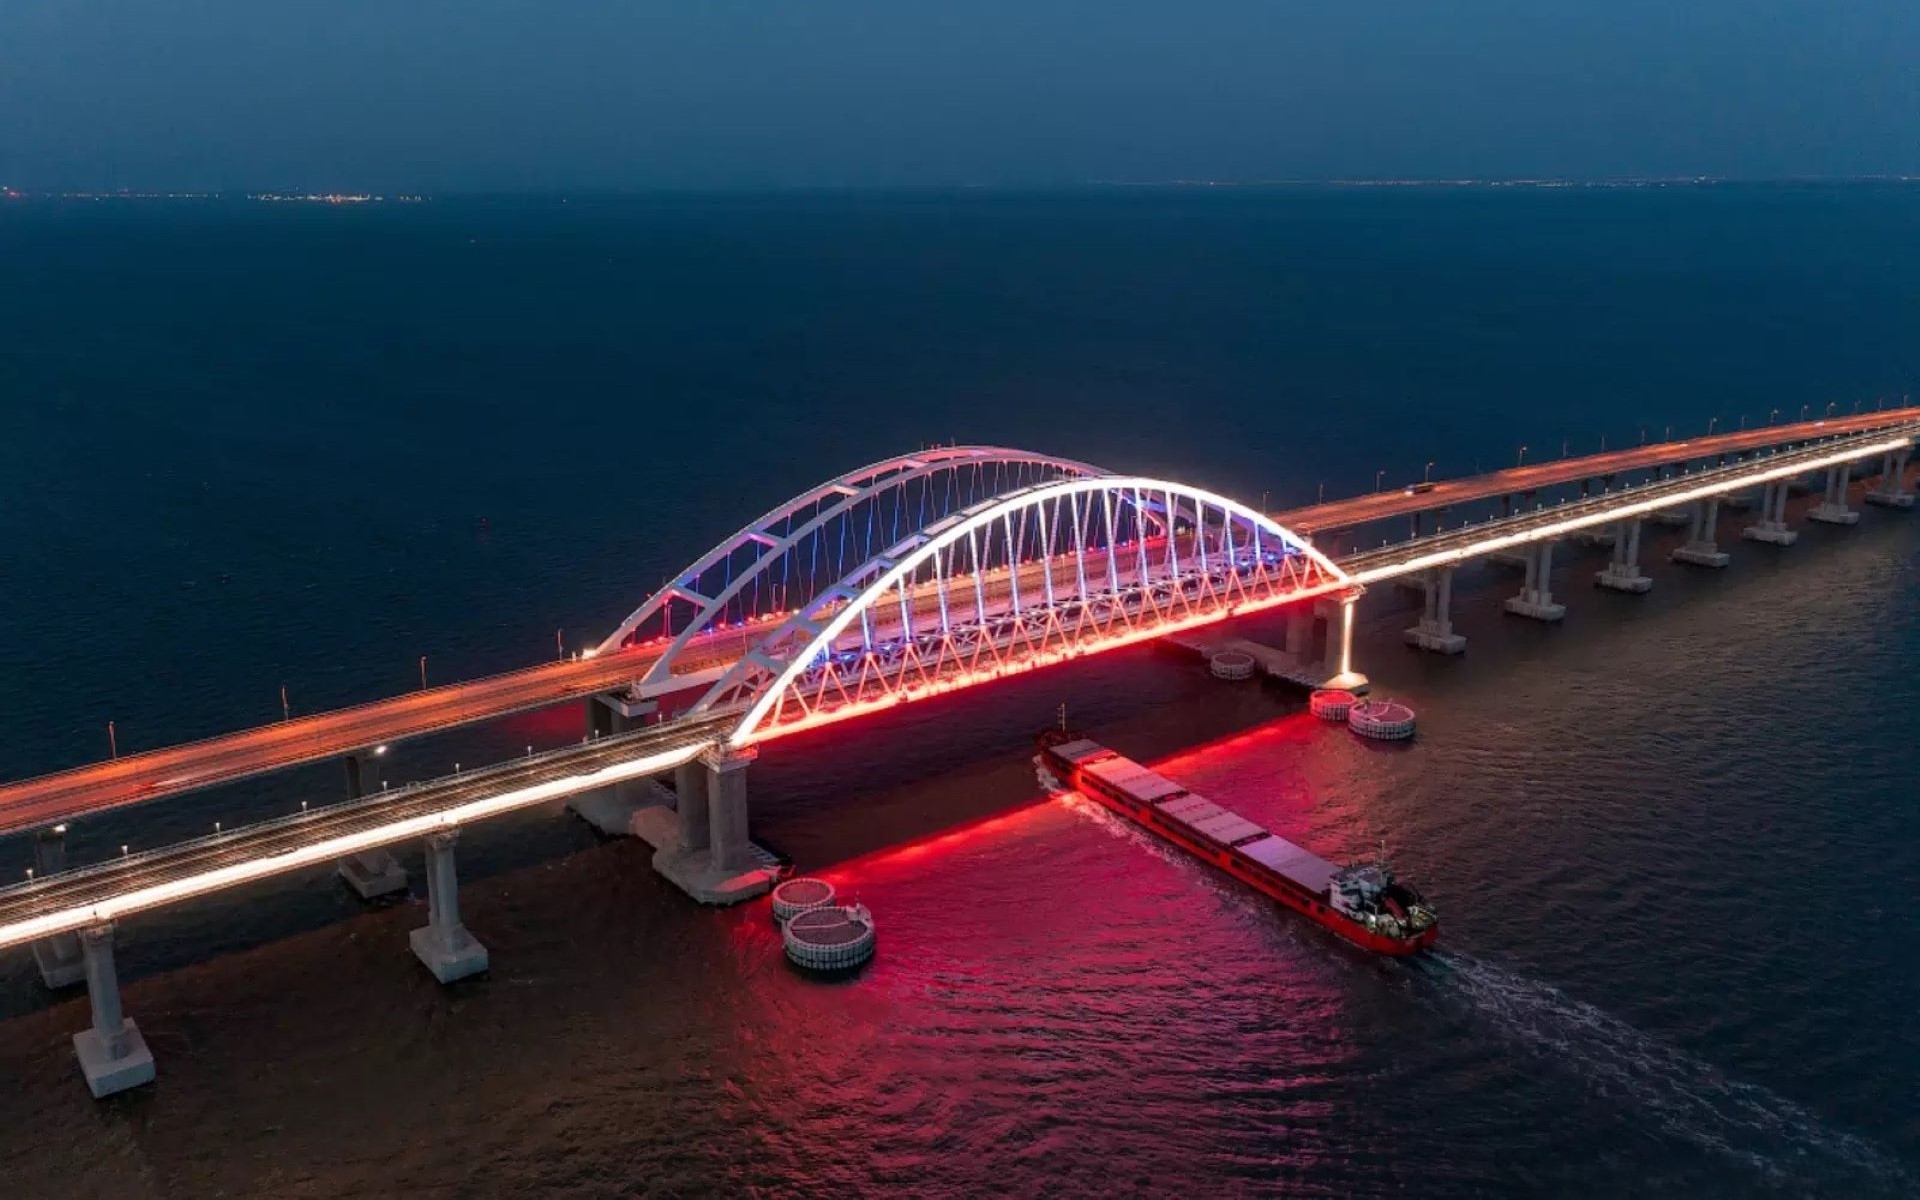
{"x":727,"y":806}
{"x":1536,"y":595}
{"x":616,"y":809}
{"x":374,"y":873}
{"x":443,"y":944}
{"x":1435,"y":630}
{"x":1832,"y":509}
{"x":1892,"y":491}
{"x":1623,"y":572}
{"x":1772,"y":525}
{"x":1701,"y":549}
{"x":58,"y":957}
{"x":713,"y":861}
{"x":113,"y":1056}
{"x":690,"y":787}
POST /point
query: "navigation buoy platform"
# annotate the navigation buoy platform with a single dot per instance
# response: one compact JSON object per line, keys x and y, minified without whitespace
{"x":830,"y":938}
{"x":1331,"y":704}
{"x":1231,"y":664}
{"x":1384,"y":720}
{"x":796,"y":896}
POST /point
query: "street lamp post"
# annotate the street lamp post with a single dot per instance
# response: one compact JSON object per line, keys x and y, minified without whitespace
{"x":1427,"y":477}
{"x":423,"y":672}
{"x":1378,"y":477}
{"x":1711,"y":422}
{"x":1521,"y":457}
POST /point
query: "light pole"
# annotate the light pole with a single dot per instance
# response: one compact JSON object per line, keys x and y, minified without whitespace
{"x":113,"y":745}
{"x":1564,"y":443}
{"x":559,"y":650}
{"x":1773,"y":417}
{"x":1378,"y":477}
{"x":1520,"y":458}
{"x":1831,"y":405}
{"x":1711,"y":422}
{"x":423,"y":672}
{"x":1743,"y":422}
{"x":286,"y":712}
{"x":1427,"y":477}
{"x":1803,"y":411}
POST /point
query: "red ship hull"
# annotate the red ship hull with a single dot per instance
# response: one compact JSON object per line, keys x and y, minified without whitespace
{"x":1243,"y":868}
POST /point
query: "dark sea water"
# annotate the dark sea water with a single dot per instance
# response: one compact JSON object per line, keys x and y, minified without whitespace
{"x":1675,"y":841}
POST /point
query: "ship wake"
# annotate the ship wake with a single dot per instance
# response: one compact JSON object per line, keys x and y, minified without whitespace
{"x":1684,"y":1096}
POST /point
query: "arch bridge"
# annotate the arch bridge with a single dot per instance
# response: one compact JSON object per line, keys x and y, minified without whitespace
{"x":949,"y":568}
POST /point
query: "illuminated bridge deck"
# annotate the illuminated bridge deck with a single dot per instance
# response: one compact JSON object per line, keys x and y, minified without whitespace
{"x":118,"y":887}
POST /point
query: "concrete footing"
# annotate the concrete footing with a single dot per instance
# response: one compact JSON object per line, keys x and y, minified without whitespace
{"x":1701,"y":554}
{"x":1833,"y":514}
{"x":443,"y":945}
{"x":59,"y":960}
{"x":1623,"y":578}
{"x":616,"y":812}
{"x":373,"y":874}
{"x":113,"y":1056}
{"x":1889,"y":499}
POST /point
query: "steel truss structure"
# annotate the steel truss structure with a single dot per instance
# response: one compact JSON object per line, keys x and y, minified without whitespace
{"x":780,"y":562}
{"x":1036,"y":575}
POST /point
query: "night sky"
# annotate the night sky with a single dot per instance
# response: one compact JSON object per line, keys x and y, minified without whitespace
{"x":519,"y":95}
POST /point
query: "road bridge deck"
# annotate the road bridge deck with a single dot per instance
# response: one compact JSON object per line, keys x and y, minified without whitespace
{"x":108,"y":890}
{"x":151,"y":775}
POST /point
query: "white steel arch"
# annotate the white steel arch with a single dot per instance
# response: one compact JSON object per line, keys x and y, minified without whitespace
{"x":717,"y":585}
{"x":1018,"y":581}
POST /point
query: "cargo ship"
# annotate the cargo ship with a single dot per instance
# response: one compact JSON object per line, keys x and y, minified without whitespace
{"x":1361,"y":902}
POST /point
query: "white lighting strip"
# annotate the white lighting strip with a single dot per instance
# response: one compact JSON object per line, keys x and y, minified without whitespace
{"x":80,"y":916}
{"x":1606,"y":516}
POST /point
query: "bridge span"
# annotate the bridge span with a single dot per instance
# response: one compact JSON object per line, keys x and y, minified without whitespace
{"x":695,"y":654}
{"x":921,"y":575}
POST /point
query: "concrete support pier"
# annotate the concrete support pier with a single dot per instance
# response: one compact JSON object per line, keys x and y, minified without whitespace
{"x":444,"y":944}
{"x":1435,"y":630}
{"x":1622,"y":574}
{"x":615,"y":809}
{"x":1891,"y":491}
{"x":713,"y":860}
{"x":113,"y":1055}
{"x":1536,"y":594}
{"x":1832,"y":509}
{"x":1700,"y":549}
{"x":1772,"y":525}
{"x":58,"y":957}
{"x":375,"y":873}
